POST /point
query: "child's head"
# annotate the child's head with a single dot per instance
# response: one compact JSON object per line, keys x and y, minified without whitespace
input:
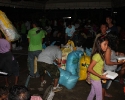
{"x":108,"y":19}
{"x":19,"y":92}
{"x":101,"y":45}
{"x":68,"y":24}
{"x":103,"y":28}
{"x":4,"y":93}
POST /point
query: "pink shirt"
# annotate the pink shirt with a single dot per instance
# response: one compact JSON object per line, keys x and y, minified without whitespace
{"x":4,"y":46}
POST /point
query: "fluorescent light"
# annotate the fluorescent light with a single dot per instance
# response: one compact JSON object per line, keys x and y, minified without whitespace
{"x":115,"y":12}
{"x":66,"y":17}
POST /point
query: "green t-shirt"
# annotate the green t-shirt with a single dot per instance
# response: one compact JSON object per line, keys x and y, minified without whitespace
{"x":23,"y":29}
{"x":35,"y":42}
{"x":98,"y":67}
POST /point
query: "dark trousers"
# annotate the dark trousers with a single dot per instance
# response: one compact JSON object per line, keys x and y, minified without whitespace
{"x":6,"y":62}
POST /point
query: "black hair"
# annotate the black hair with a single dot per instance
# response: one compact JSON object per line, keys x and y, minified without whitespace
{"x":19,"y":92}
{"x":68,"y":23}
{"x":112,"y":38}
{"x":3,"y":91}
{"x":35,"y":22}
{"x":104,"y":23}
{"x":97,"y":46}
{"x":109,"y":16}
{"x":58,"y":43}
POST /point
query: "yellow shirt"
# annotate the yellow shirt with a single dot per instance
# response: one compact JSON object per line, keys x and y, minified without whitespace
{"x":98,"y":67}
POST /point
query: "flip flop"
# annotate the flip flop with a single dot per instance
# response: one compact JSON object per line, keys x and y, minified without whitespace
{"x":108,"y":95}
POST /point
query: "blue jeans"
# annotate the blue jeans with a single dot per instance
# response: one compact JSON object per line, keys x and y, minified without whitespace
{"x":31,"y":57}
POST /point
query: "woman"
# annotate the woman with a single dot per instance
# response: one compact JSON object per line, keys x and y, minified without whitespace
{"x":110,"y":62}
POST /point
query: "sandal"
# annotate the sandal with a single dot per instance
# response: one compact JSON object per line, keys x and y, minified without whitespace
{"x":108,"y":95}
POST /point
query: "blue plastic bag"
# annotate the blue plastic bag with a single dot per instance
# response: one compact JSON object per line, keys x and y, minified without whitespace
{"x":72,"y":64}
{"x":67,"y":79}
{"x":88,"y":51}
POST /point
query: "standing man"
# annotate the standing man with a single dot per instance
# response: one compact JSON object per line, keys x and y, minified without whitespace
{"x":70,"y":29}
{"x":111,"y":27}
{"x":46,"y":61}
{"x":35,"y":37}
{"x":103,"y":29}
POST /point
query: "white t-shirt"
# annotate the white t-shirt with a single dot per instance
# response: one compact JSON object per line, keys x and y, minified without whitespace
{"x":70,"y":31}
{"x":50,"y":54}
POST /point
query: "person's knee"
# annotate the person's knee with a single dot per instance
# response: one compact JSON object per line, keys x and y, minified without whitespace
{"x":56,"y":74}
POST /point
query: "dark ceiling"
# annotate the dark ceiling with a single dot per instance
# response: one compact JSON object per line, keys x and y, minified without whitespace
{"x":29,"y":0}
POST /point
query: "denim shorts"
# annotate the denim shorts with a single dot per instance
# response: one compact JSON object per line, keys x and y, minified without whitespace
{"x":108,"y":83}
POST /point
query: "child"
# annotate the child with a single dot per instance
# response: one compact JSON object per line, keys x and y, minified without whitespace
{"x":7,"y":62}
{"x":4,"y":93}
{"x":103,"y":29}
{"x":96,"y":67}
{"x":19,"y":92}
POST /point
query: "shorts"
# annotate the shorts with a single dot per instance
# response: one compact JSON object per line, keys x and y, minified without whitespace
{"x":52,"y":69}
{"x":107,"y":84}
{"x":5,"y":62}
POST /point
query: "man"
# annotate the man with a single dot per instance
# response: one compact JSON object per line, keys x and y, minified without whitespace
{"x":111,"y":28}
{"x":70,"y":29}
{"x":103,"y":29}
{"x":46,"y":61}
{"x":35,"y":37}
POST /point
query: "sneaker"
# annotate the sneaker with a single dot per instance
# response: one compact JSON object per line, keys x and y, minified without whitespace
{"x":57,"y":89}
{"x":43,"y":83}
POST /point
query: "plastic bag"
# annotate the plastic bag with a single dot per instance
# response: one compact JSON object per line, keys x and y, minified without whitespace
{"x":83,"y":64}
{"x":72,"y":64}
{"x":67,"y":79}
{"x":7,"y":28}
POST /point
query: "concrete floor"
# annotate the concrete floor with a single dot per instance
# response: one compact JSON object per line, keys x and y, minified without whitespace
{"x":79,"y":92}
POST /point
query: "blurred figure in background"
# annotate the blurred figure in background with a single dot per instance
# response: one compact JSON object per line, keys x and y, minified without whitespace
{"x":35,"y":37}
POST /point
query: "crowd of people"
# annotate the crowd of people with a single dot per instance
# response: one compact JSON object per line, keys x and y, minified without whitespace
{"x":104,"y":53}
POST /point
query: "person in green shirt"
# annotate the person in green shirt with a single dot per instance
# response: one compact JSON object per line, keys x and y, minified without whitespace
{"x":35,"y":37}
{"x":96,"y":67}
{"x":23,"y":33}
